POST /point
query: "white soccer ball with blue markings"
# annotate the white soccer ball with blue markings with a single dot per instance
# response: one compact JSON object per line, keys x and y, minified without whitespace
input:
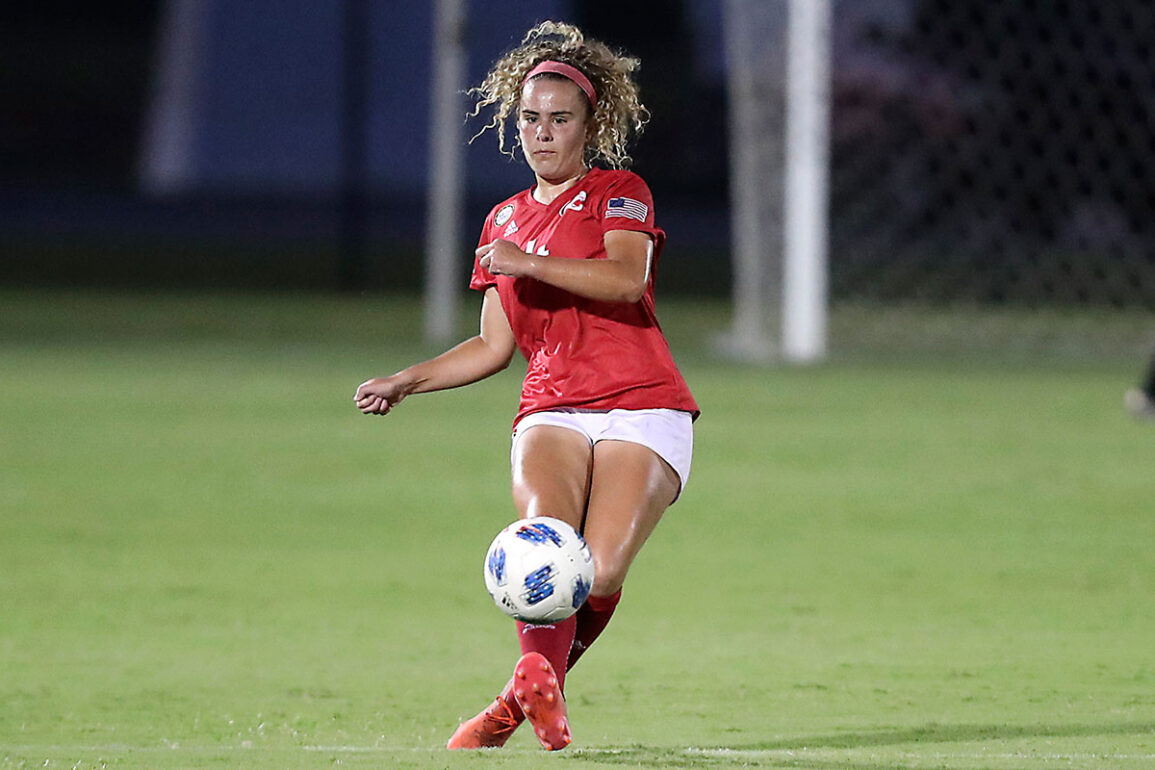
{"x":539,"y":570}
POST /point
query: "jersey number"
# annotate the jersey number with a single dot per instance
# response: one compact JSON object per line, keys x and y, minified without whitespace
{"x":532,"y":248}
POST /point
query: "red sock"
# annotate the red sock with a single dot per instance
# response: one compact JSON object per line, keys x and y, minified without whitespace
{"x":553,"y":641}
{"x":592,"y":619}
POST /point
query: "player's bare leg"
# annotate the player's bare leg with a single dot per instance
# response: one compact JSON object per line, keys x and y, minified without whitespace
{"x":632,"y":487}
{"x":551,"y":474}
{"x":551,"y":477}
{"x":551,"y":471}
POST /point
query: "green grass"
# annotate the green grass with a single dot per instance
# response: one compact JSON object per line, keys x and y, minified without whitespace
{"x":932,"y":552}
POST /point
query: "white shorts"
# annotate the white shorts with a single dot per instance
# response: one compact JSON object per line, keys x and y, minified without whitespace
{"x":668,"y":432}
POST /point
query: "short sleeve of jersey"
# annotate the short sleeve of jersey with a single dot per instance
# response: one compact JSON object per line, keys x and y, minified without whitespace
{"x":482,"y":279}
{"x":629,"y":205}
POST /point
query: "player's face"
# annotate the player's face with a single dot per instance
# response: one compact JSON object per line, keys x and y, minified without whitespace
{"x":552,"y":126}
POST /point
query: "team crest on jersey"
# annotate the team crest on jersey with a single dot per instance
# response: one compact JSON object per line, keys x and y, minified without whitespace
{"x":503,"y":214}
{"x":577,"y":204}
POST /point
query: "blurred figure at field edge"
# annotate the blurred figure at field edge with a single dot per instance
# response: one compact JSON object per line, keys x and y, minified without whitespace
{"x":603,"y":436}
{"x":1140,"y":401}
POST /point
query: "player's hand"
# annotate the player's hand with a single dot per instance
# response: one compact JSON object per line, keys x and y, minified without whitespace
{"x":504,"y":258}
{"x":378,"y":395}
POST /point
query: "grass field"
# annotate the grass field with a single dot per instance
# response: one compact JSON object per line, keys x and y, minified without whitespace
{"x":932,"y":552}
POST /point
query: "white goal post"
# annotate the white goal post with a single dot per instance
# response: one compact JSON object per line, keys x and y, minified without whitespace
{"x":446,"y":202}
{"x":804,"y":280}
{"x":779,"y":177}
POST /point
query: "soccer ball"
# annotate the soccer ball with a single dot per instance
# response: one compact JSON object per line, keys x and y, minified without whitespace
{"x":539,"y":570}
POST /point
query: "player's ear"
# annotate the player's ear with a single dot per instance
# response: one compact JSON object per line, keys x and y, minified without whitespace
{"x":591,"y":127}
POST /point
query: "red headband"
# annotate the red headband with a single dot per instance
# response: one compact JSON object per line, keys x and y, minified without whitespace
{"x":566,"y":71}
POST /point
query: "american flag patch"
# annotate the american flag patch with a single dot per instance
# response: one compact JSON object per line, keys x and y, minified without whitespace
{"x":627,"y":207}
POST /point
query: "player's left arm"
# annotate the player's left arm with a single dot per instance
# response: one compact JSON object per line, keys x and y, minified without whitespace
{"x":621,"y":277}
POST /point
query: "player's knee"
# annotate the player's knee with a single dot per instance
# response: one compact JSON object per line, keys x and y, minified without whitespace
{"x":609,"y":576}
{"x":567,"y":513}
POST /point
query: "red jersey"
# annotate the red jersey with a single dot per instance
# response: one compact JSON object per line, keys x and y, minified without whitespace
{"x":584,"y":353}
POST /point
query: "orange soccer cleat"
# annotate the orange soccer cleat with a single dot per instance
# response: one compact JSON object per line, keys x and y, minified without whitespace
{"x":535,"y":686}
{"x":489,"y":729}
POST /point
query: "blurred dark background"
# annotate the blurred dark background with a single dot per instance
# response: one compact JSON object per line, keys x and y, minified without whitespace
{"x":980,"y":151}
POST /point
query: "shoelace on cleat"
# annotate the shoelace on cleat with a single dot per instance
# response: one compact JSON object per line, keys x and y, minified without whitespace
{"x":507,"y":722}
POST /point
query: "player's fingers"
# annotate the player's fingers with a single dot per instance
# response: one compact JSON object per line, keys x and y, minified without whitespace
{"x":362,"y":390}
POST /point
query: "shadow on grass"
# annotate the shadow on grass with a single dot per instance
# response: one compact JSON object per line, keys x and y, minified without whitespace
{"x":936,"y":733}
{"x":780,"y":752}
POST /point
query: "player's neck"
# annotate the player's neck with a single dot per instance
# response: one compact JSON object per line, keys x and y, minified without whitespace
{"x":547,"y":190}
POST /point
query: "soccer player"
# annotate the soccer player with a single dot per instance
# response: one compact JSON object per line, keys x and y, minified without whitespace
{"x":603,"y":436}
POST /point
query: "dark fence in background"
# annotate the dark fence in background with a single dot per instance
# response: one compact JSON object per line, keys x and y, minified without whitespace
{"x":989,"y":152}
{"x":997,"y":152}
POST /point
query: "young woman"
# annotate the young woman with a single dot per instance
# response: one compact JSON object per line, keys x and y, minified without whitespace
{"x":603,"y":437}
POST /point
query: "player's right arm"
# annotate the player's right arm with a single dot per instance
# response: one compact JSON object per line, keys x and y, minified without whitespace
{"x":476,"y":358}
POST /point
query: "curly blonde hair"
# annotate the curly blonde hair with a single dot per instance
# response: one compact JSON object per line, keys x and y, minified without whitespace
{"x":619,"y":114}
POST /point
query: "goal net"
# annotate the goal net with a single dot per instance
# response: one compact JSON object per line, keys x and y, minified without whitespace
{"x":994,"y":152}
{"x":993,"y":155}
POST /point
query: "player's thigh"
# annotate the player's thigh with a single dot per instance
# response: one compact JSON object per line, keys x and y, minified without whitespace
{"x":551,"y":473}
{"x":631,"y":488}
